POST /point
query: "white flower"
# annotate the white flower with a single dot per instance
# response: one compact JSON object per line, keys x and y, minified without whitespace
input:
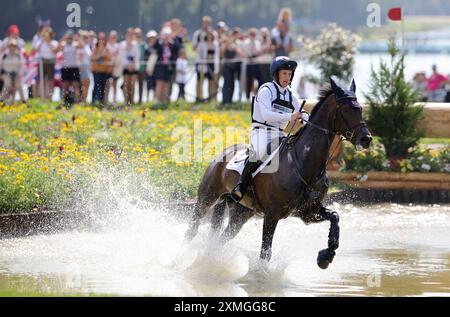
{"x":386,"y":164}
{"x":425,"y":167}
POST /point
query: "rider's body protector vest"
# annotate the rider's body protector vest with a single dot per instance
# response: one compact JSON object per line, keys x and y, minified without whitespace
{"x":279,"y":105}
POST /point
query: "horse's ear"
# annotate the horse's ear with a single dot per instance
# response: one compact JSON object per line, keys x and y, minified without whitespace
{"x":336,"y":89}
{"x":353,"y":86}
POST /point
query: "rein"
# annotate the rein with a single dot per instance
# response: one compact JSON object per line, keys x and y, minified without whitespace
{"x":347,"y":135}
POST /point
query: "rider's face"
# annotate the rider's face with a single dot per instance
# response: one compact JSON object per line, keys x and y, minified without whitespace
{"x":284,"y":77}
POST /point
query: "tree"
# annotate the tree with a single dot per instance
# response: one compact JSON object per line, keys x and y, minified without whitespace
{"x":333,"y":52}
{"x":393,"y":114}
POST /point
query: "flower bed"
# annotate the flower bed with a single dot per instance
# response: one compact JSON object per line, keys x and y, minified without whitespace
{"x":425,"y":169}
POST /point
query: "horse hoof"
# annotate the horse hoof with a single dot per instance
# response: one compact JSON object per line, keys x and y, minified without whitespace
{"x":325,"y":258}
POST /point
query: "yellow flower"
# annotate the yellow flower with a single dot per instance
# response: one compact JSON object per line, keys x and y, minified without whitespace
{"x":19,"y":179}
{"x":140,"y":170}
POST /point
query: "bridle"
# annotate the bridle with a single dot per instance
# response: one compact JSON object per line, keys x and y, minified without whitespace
{"x":349,"y":132}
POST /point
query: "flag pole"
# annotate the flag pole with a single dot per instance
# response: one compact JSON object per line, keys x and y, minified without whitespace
{"x":403,"y":26}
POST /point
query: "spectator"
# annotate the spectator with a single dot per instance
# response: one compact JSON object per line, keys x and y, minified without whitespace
{"x":285,"y":16}
{"x":265,"y":58}
{"x":436,"y":86}
{"x":221,"y":31}
{"x":208,"y":67}
{"x":14,"y":33}
{"x":420,"y":85}
{"x":178,"y":32}
{"x":114,"y":49}
{"x":101,"y":69}
{"x":70,"y":71}
{"x":142,"y":73}
{"x":199,"y":38}
{"x":182,"y":71}
{"x":47,"y":48}
{"x":85,"y":65}
{"x":11,"y":65}
{"x":232,"y":66}
{"x":152,"y":38}
{"x":282,"y":40}
{"x":167,"y":53}
{"x":41,"y":26}
{"x":130,"y":58}
{"x":252,"y":50}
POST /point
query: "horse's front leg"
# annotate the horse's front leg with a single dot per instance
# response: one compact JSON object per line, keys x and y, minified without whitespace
{"x":269,"y":227}
{"x":326,"y":256}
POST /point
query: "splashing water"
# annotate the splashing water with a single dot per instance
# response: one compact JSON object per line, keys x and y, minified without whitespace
{"x":136,"y":247}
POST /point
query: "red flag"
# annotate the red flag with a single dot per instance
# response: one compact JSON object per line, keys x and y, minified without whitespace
{"x":395,"y":14}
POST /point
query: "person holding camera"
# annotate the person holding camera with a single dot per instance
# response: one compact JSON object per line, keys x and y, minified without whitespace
{"x":167,"y":51}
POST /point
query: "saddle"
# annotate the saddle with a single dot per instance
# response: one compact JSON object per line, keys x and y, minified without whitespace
{"x":237,"y":163}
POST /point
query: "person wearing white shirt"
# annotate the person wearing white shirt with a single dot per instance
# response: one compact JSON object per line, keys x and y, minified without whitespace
{"x":181,"y":73}
{"x":114,"y":48}
{"x":272,"y":110}
{"x":85,"y":65}
{"x":130,"y":59}
{"x":11,"y":65}
{"x":70,"y":71}
{"x":198,"y":42}
{"x":47,"y":48}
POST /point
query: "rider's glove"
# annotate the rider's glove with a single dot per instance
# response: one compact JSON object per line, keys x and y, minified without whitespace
{"x":305,"y":117}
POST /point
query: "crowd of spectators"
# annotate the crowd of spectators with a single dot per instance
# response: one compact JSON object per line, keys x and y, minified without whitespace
{"x":153,"y":62}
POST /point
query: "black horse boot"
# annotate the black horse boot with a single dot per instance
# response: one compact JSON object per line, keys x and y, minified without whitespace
{"x":239,"y":191}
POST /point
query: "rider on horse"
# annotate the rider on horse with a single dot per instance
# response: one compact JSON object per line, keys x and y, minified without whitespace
{"x":272,"y":110}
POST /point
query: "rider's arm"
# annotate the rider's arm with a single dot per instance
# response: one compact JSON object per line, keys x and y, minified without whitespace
{"x":264,"y":100}
{"x":297,"y":106}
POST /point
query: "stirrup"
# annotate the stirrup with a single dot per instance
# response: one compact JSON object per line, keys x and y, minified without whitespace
{"x":234,"y":194}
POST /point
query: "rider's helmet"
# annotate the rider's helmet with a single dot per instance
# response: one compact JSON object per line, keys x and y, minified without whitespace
{"x":282,"y":63}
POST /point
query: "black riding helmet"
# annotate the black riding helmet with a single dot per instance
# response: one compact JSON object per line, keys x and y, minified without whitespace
{"x":282,"y":63}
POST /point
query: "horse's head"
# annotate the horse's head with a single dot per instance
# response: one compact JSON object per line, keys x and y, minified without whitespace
{"x":348,"y":120}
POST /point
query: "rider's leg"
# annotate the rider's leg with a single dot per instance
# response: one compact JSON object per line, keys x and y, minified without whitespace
{"x":257,"y":153}
{"x":250,"y":167}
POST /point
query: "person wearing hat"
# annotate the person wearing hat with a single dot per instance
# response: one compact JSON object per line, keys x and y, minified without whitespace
{"x":14,"y":33}
{"x":11,"y":65}
{"x":272,"y":110}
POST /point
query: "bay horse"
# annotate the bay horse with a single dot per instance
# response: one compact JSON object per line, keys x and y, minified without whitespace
{"x":300,"y":184}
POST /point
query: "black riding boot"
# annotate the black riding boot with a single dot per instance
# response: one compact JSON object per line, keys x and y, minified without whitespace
{"x":239,"y":191}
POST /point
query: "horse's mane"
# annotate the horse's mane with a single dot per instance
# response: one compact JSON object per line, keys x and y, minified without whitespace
{"x":325,"y":92}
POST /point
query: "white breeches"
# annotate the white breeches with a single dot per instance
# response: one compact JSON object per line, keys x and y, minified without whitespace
{"x":261,"y":138}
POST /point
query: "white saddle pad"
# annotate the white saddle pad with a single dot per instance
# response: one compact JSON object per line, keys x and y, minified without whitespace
{"x":237,"y":163}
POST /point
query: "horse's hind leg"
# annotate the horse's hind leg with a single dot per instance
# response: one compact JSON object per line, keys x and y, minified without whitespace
{"x":239,"y":215}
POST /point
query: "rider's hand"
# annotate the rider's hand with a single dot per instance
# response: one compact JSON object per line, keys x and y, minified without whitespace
{"x":296,"y":116}
{"x":305,"y":116}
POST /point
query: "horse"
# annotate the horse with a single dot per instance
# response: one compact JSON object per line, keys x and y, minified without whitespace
{"x":299,"y":185}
